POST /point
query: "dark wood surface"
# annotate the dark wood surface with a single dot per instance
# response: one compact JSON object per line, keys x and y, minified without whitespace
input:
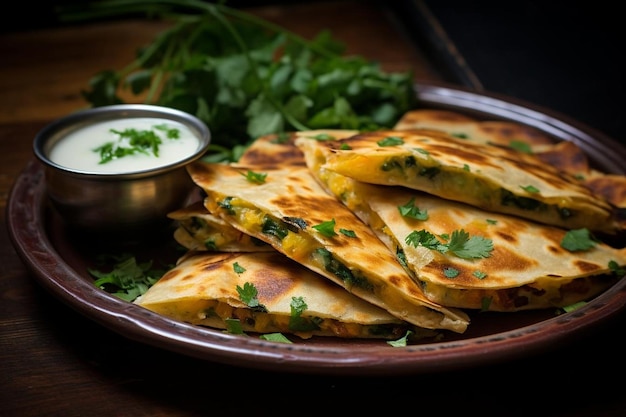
{"x":55,"y":362}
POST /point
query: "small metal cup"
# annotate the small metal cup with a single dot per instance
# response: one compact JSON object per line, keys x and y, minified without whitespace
{"x":117,"y":204}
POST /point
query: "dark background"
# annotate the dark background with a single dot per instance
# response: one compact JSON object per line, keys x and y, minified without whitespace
{"x":565,"y":56}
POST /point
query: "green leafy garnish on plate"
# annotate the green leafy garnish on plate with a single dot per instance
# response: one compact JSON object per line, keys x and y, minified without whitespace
{"x":128,"y":279}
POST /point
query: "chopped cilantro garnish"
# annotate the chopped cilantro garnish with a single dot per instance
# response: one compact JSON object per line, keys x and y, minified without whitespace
{"x":479,"y":274}
{"x":403,"y":341}
{"x":296,"y":321}
{"x":616,"y":269}
{"x":574,"y":306}
{"x":128,"y":279}
{"x":412,"y":211}
{"x":520,"y":146}
{"x":578,"y":240}
{"x":450,"y":272}
{"x":326,"y":228}
{"x":275,"y":337}
{"x":390,"y":141}
{"x":248,"y":294}
{"x":464,"y":246}
{"x":530,"y":189}
{"x":348,"y":233}
{"x":238,"y":268}
{"x":461,"y":244}
{"x":323,"y":137}
{"x":233,"y":326}
{"x":255,"y":177}
{"x":131,"y":141}
{"x":426,"y":239}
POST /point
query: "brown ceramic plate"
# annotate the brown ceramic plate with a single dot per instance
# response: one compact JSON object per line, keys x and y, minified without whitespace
{"x":59,"y":261}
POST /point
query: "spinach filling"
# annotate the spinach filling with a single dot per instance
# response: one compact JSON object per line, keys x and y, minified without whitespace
{"x":273,"y":228}
{"x":337,"y":268}
{"x":409,"y":163}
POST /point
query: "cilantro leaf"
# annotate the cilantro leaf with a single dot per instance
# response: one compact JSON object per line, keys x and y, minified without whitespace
{"x":460,"y":243}
{"x":248,"y":294}
{"x":390,"y":141}
{"x":255,"y":177}
{"x":426,"y":239}
{"x":401,"y":342}
{"x":326,"y":228}
{"x":128,"y":279}
{"x":466,"y":247}
{"x":275,"y":337}
{"x":233,"y":326}
{"x":296,"y":321}
{"x":238,"y":268}
{"x":578,"y":240}
{"x":412,"y":211}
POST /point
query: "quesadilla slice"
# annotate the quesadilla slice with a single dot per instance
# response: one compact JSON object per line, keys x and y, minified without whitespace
{"x":286,"y":207}
{"x":564,"y":155}
{"x":200,"y":230}
{"x":466,"y":257}
{"x":265,"y":292}
{"x":492,"y":178}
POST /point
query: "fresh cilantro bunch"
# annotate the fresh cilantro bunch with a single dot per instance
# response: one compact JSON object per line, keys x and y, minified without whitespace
{"x":245,"y":77}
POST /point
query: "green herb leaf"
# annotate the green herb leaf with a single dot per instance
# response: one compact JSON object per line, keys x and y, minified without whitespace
{"x":238,"y":268}
{"x":574,"y":306}
{"x":578,"y":240}
{"x":412,"y":211}
{"x":248,"y":294}
{"x":296,"y":321}
{"x":460,"y":243}
{"x":530,"y":189}
{"x":479,"y":274}
{"x":466,"y":247}
{"x":450,"y":272}
{"x":255,"y":177}
{"x":128,"y":279}
{"x":233,"y":326}
{"x":426,"y":239}
{"x":520,"y":146}
{"x":403,"y":341}
{"x":616,"y":269}
{"x":348,"y":233}
{"x":326,"y":228}
{"x":390,"y":141}
{"x":275,"y":337}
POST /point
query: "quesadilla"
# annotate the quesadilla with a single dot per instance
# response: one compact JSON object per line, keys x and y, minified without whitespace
{"x":564,"y":155}
{"x":283,"y":205}
{"x":492,"y":178}
{"x":466,"y":257}
{"x":265,"y":292}
{"x":200,"y":230}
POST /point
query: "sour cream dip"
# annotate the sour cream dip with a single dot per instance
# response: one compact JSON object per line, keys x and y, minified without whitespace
{"x":82,"y":149}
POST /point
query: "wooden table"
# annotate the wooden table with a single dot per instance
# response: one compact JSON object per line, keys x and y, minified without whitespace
{"x":55,"y":362}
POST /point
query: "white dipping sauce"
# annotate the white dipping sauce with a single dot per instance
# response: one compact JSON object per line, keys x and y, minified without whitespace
{"x":78,"y":151}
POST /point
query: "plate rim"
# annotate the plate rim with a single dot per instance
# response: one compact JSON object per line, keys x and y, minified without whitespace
{"x":25,"y":218}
